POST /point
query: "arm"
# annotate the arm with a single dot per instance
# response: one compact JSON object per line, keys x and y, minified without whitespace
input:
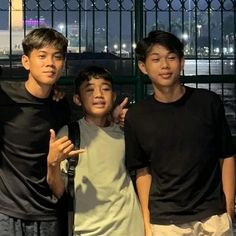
{"x":228,"y":181}
{"x":143,"y":184}
{"x":59,"y":150}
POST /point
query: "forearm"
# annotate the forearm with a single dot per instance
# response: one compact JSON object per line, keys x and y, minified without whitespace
{"x":228,"y":181}
{"x":143,"y":184}
{"x":55,"y":180}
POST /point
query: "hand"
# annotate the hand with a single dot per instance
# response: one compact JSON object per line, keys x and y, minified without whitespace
{"x":148,"y":230}
{"x":57,"y":94}
{"x":119,"y":112}
{"x":60,"y":149}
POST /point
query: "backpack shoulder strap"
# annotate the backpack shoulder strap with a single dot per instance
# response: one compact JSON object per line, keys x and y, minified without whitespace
{"x":74,"y":136}
{"x":74,"y":133}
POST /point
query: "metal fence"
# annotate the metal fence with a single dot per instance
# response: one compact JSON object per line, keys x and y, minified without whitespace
{"x":104,"y":32}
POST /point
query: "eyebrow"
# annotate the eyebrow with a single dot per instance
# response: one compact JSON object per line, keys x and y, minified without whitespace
{"x":104,"y":83}
{"x":158,"y":54}
{"x":45,"y":51}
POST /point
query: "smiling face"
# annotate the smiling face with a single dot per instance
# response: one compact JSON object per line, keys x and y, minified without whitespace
{"x":45,"y":67}
{"x":162,"y":66}
{"x":96,"y":97}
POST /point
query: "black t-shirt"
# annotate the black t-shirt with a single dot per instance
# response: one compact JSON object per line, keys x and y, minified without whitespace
{"x":182,"y":143}
{"x":24,"y":139}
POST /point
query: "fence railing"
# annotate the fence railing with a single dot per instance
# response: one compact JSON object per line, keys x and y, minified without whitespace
{"x":104,"y":32}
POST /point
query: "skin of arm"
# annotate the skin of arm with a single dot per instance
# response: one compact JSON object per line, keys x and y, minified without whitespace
{"x":228,"y":181}
{"x":59,"y":150}
{"x":143,"y":184}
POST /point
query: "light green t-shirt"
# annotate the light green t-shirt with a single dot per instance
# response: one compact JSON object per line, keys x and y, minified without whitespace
{"x":105,"y":203}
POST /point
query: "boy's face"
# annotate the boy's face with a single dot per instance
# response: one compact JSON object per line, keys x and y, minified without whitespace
{"x":162,"y":67}
{"x":45,"y":65}
{"x":96,"y":97}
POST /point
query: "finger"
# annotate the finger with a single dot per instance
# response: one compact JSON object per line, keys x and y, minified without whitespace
{"x":66,"y":147}
{"x":75,"y":152}
{"x":124,"y":102}
{"x":55,"y":92}
{"x":62,"y":139}
{"x":123,"y":113}
{"x":52,"y":136}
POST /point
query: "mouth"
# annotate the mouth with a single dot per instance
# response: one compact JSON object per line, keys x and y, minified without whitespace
{"x":99,"y":104}
{"x":166,"y":75}
{"x":50,"y":73}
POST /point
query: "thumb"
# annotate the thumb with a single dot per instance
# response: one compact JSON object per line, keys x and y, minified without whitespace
{"x":52,"y":136}
{"x":124,"y":102}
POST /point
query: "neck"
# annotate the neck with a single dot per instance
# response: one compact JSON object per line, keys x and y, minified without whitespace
{"x":98,"y":121}
{"x":168,"y":95}
{"x":37,"y":90}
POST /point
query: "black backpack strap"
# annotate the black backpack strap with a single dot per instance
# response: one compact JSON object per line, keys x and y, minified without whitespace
{"x":74,"y":136}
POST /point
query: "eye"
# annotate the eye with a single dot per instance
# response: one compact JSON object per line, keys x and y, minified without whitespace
{"x":58,"y":56}
{"x":155,"y":59}
{"x":172,"y":57}
{"x":42,"y":56}
{"x":106,"y":88}
{"x":89,"y":90}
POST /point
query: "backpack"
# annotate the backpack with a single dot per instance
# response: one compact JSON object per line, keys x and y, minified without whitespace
{"x":74,"y":136}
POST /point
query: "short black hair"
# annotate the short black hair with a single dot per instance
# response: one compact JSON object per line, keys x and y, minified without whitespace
{"x":163,"y":38}
{"x":42,"y":37}
{"x":90,"y":72}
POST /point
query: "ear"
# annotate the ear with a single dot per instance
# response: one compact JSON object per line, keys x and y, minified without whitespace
{"x":76,"y":100}
{"x":25,"y":62}
{"x":142,"y":67}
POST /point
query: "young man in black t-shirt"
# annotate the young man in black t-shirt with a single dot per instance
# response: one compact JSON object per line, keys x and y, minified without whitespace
{"x":27,"y":113}
{"x":180,"y":145}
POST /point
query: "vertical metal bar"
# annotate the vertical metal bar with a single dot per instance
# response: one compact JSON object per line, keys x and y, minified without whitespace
{"x":10,"y":35}
{"x":24,"y":16}
{"x":182,"y":20}
{"x":209,"y":35}
{"x":93,"y":23}
{"x":138,"y":36}
{"x":107,"y":24}
{"x":80,"y":28}
{"x":66,"y":32}
{"x":38,"y":12}
{"x":145,"y":23}
{"x":156,"y":15}
{"x":132,"y":43}
{"x":52,"y":13}
{"x":234,"y":37}
{"x":169,"y":14}
{"x":209,"y":38}
{"x":120,"y":30}
{"x":196,"y":36}
{"x":222,"y":36}
{"x":138,"y":19}
{"x":66,"y":18}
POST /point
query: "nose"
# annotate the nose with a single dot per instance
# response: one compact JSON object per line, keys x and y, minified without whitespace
{"x":98,"y":92}
{"x":164,"y":63}
{"x":50,"y":61}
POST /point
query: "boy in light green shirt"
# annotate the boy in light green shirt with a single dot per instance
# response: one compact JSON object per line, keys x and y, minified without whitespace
{"x":105,"y":201}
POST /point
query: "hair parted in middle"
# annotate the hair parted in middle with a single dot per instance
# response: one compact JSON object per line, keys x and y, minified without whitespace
{"x":162,"y":38}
